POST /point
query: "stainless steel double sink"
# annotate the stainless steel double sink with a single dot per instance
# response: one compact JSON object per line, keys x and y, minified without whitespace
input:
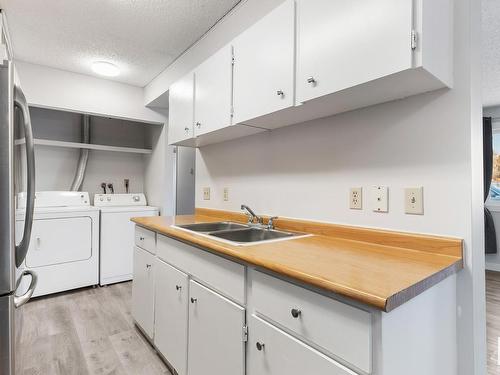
{"x":237,"y":233}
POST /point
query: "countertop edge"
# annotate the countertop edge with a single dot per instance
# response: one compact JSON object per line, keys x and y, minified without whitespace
{"x":413,"y":291}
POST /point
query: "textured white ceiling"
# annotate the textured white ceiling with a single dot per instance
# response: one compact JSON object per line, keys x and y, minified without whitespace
{"x":491,"y":52}
{"x":142,"y":37}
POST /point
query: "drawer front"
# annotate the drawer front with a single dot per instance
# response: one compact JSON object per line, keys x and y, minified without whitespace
{"x":225,"y":276}
{"x":274,"y":352}
{"x":145,"y":239}
{"x":342,"y":330}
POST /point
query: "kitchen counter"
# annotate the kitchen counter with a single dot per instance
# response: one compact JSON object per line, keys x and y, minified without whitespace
{"x":383,"y":269}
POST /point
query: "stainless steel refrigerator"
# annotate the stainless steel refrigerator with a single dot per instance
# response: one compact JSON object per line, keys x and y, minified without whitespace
{"x":13,"y":106}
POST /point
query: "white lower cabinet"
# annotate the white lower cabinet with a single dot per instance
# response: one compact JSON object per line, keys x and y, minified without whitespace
{"x":171,"y":315}
{"x":216,"y":340}
{"x":274,"y":352}
{"x":340,"y":329}
{"x":202,"y":309}
{"x":143,"y":290}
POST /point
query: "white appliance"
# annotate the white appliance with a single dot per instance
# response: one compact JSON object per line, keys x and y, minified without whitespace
{"x":64,"y":246}
{"x":117,"y":233}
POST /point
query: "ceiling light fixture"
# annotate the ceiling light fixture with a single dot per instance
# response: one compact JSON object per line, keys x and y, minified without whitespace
{"x":105,"y":68}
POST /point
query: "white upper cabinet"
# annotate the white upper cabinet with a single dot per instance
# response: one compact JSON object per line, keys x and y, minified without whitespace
{"x":264,"y":65}
{"x":352,"y":54}
{"x":309,"y":59}
{"x":181,"y":109}
{"x":344,"y":43}
{"x":213,"y":92}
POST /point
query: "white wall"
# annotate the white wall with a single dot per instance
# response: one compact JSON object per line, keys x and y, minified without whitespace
{"x":433,"y":140}
{"x":55,"y":167}
{"x":58,"y":89}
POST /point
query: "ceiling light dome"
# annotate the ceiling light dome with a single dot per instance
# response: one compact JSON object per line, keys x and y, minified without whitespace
{"x":105,"y":68}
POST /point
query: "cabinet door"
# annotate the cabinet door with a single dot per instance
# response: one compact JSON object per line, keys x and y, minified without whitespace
{"x":181,"y":109}
{"x":344,"y":43}
{"x":264,"y":65}
{"x":143,"y":290}
{"x":216,"y":324}
{"x":274,"y":352}
{"x":171,"y":315}
{"x":213,"y":92}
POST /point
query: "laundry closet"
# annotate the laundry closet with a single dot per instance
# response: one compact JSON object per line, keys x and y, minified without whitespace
{"x":119,"y":151}
{"x":93,"y":173}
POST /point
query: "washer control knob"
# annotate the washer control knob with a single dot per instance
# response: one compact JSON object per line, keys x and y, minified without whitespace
{"x":109,"y":199}
{"x":136,"y":198}
{"x":101,"y":199}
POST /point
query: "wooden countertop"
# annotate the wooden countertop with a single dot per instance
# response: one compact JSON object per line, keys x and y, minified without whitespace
{"x":380,"y":268}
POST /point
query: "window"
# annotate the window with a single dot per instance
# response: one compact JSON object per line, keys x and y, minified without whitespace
{"x":495,"y":180}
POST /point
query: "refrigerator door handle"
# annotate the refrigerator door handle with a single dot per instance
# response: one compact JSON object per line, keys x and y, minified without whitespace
{"x":21,"y":103}
{"x":21,"y":300}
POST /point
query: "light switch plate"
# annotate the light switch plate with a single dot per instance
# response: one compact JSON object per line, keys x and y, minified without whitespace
{"x":414,"y":201}
{"x":226,"y":194}
{"x":380,"y":198}
{"x":206,"y":193}
{"x":356,"y":198}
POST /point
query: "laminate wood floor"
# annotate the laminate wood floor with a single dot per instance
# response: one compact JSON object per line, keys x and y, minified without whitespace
{"x":88,"y":331}
{"x":493,"y":321}
{"x":91,"y":331}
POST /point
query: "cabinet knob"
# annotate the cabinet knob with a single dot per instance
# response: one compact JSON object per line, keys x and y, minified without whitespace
{"x":198,"y":125}
{"x":148,"y":265}
{"x":280,"y":93}
{"x":193,"y":300}
{"x":311,"y":80}
{"x":296,"y":313}
{"x":141,"y":238}
{"x":186,"y":129}
{"x":260,"y":346}
{"x":178,"y":287}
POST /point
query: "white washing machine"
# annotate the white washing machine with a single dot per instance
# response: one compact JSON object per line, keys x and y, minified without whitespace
{"x":117,"y":233}
{"x":64,"y":246}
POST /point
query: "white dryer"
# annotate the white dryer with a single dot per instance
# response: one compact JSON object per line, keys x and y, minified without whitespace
{"x":117,"y":233}
{"x":64,"y":246}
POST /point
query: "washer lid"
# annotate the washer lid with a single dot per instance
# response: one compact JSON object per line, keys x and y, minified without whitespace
{"x":111,"y":209}
{"x":117,"y":200}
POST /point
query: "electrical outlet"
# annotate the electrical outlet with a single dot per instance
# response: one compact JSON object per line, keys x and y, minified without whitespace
{"x":356,"y":198}
{"x":206,"y":193}
{"x":380,"y":198}
{"x":226,"y":194}
{"x":414,"y":201}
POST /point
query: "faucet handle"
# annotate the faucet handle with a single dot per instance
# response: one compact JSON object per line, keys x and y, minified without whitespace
{"x":248,"y":211}
{"x":270,"y":222}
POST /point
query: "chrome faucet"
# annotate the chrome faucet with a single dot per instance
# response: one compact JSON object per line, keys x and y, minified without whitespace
{"x":251,"y":215}
{"x":270,"y":223}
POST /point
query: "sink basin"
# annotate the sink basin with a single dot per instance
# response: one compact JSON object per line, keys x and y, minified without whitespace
{"x":252,"y":235}
{"x":213,"y":227}
{"x":238,"y":234}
